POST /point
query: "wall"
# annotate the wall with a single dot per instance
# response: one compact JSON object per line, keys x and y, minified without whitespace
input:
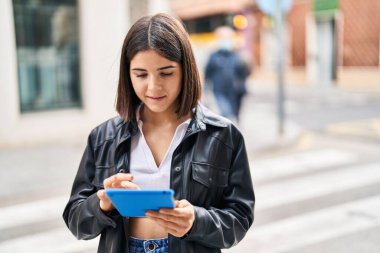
{"x":297,"y":22}
{"x":361,"y":32}
{"x":102,"y":29}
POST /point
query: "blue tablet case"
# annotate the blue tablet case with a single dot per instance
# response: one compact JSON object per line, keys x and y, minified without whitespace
{"x":134,"y":203}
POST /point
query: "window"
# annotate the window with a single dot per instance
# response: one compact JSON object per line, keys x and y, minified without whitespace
{"x":47,"y":54}
{"x":206,"y":24}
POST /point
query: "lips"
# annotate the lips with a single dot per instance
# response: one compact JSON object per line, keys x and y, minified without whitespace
{"x":156,"y":98}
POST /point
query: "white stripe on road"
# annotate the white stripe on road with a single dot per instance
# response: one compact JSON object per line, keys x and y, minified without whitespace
{"x":275,"y":237}
{"x":32,"y":212}
{"x":303,"y":230}
{"x":290,"y":191}
{"x":301,"y":162}
{"x":54,"y":241}
{"x":269,"y":195}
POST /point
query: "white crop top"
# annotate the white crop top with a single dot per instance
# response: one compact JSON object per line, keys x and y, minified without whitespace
{"x":142,"y":165}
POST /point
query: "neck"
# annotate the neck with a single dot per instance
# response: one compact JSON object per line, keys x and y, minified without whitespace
{"x":161,"y":119}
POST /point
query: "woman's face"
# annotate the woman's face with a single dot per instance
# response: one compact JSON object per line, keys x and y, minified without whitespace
{"x":156,"y":81}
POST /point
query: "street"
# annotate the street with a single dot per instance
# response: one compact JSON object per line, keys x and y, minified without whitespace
{"x":323,"y":198}
{"x":317,"y":188}
{"x":322,"y":192}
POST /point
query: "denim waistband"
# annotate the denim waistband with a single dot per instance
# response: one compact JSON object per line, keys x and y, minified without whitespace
{"x":160,"y":245}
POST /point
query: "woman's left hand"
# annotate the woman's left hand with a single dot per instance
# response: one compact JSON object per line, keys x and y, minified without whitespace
{"x":177,"y":221}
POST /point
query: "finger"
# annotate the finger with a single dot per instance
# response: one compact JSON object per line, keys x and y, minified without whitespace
{"x":183,"y":216}
{"x":124,"y":184}
{"x":179,"y":221}
{"x":129,"y":185}
{"x":158,"y":215}
{"x":174,"y":232}
{"x":172,"y":229}
{"x":183,"y":203}
{"x":151,"y":213}
{"x":119,"y":177}
{"x":102,"y":195}
{"x":107,"y":183}
{"x":117,"y":184}
{"x":181,"y":210}
{"x":168,"y":224}
{"x":123,"y":177}
{"x":105,"y":203}
{"x":176,"y":212}
{"x":169,"y":229}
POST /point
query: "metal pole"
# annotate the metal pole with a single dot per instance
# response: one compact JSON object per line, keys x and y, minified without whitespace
{"x":280,"y":66}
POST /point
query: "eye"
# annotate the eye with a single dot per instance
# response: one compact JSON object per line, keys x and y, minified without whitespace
{"x":141,"y":75}
{"x":165,"y":74}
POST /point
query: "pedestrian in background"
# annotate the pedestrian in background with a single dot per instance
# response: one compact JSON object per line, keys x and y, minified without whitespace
{"x":164,"y":138}
{"x":243,"y":70}
{"x":227,"y":73}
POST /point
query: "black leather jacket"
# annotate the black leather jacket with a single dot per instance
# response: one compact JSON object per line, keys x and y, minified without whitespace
{"x":209,"y":168}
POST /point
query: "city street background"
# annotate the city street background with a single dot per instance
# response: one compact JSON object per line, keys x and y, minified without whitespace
{"x":317,"y":186}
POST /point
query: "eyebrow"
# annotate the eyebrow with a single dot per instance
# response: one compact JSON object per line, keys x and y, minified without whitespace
{"x":162,"y":68}
{"x":166,"y":67}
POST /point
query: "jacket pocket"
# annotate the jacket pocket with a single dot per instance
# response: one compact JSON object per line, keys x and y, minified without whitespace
{"x":101,"y":173}
{"x":208,"y":183}
{"x":209,"y":175}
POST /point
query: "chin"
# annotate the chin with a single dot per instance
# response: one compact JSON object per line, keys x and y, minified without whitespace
{"x":157,"y":108}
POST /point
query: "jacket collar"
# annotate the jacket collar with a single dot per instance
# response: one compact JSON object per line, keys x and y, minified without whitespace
{"x":202,"y":117}
{"x":125,"y":130}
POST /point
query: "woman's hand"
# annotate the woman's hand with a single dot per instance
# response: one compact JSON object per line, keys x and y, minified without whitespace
{"x":177,"y":221}
{"x":120,"y":180}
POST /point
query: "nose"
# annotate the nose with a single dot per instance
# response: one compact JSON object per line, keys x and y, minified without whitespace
{"x":153,"y":83}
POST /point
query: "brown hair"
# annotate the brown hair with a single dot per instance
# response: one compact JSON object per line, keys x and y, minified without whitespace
{"x":167,"y":36}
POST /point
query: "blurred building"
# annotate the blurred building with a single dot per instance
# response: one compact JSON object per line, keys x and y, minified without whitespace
{"x":337,"y":41}
{"x":327,"y":42}
{"x":59,"y":65}
{"x":59,"y":59}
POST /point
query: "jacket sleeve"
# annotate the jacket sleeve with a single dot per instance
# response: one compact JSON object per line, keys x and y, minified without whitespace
{"x":82,"y":213}
{"x":225,"y":227}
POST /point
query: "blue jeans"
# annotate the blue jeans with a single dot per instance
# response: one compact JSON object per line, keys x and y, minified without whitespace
{"x":148,"y":246}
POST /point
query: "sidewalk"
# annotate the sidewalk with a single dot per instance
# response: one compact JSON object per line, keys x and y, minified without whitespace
{"x":368,"y":128}
{"x":32,"y":173}
{"x":260,"y":126}
{"x":259,"y":121}
{"x":362,"y":82}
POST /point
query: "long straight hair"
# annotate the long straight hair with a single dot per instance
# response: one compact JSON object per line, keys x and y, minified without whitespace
{"x":167,"y":36}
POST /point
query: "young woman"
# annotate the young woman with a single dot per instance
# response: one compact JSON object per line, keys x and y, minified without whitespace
{"x":163,"y":138}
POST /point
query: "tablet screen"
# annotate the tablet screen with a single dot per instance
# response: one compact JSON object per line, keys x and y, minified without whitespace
{"x":134,"y":203}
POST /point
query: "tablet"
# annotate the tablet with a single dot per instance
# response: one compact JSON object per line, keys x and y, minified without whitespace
{"x":134,"y":203}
